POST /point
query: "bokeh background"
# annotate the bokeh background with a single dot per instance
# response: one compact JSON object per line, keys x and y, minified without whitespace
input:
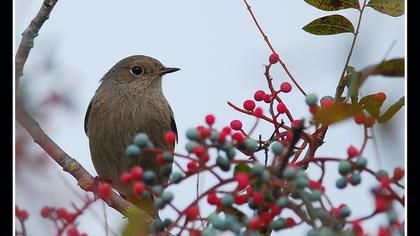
{"x":221,"y":54}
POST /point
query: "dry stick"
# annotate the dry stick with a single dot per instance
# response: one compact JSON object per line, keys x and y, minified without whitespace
{"x":86,"y":181}
{"x":272,"y":48}
{"x":342,"y":82}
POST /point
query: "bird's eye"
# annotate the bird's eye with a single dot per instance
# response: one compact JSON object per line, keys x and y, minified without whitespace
{"x":136,"y":70}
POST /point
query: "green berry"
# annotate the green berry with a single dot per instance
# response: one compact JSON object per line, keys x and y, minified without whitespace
{"x":355,"y":178}
{"x":381,"y":173}
{"x":257,"y":169}
{"x":311,"y":99}
{"x":392,"y":216}
{"x":345,"y":211}
{"x":167,"y":222}
{"x":160,"y":203}
{"x":252,"y":205}
{"x":361,"y":163}
{"x":223,"y":163}
{"x":214,"y":136}
{"x":341,"y":182}
{"x":168,"y":157}
{"x":322,"y":214}
{"x":277,"y":148}
{"x":344,"y":167}
{"x":166,"y":170}
{"x":289,"y":173}
{"x":315,"y":195}
{"x":226,"y":146}
{"x":176,"y":177}
{"x":167,"y":196}
{"x":227,"y":200}
{"x":301,"y":174}
{"x":278,"y":224}
{"x":190,"y":146}
{"x":141,"y":139}
{"x":149,"y":177}
{"x":209,"y":232}
{"x":157,"y":189}
{"x":193,"y":134}
{"x":282,"y":202}
{"x":158,"y":225}
{"x":265,"y":175}
{"x":302,"y":182}
{"x":230,"y":153}
{"x":251,"y":144}
{"x":132,"y":150}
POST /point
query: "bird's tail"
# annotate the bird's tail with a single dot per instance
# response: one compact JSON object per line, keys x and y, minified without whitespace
{"x":145,"y":204}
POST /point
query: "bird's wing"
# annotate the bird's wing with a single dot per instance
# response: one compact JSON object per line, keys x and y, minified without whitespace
{"x":173,"y":124}
{"x":87,"y":118}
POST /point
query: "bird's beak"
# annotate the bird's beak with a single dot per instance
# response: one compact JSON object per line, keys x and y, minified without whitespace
{"x":167,"y":70}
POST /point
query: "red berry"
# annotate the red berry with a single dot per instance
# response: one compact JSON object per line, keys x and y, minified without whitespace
{"x":226,"y":130}
{"x":238,"y":137}
{"x":250,"y":192}
{"x":255,"y":222}
{"x":316,"y":185}
{"x":359,"y":119}
{"x":380,"y":97}
{"x":195,"y":232}
{"x":159,"y":159}
{"x":266,"y":218}
{"x":281,"y":108}
{"x":370,"y":120}
{"x":242,"y":179}
{"x":210,"y":119}
{"x":249,"y":105}
{"x":267,"y":98}
{"x":258,"y":198}
{"x":275,"y":210}
{"x":203,"y":131}
{"x":335,"y":212}
{"x":382,"y":204}
{"x":72,"y":231}
{"x":138,"y":188}
{"x":212,"y":198}
{"x":104,"y":190}
{"x":198,"y":150}
{"x":236,"y":125}
{"x":274,"y":58}
{"x":295,"y":123}
{"x":192,"y":165}
{"x":258,"y":112}
{"x":289,"y":136}
{"x":61,"y":212}
{"x":383,"y":232}
{"x":286,"y":87}
{"x":192,"y":212}
{"x":126,"y":178}
{"x":70,"y":217}
{"x":137,"y":173}
{"x":326,"y":102}
{"x":352,"y":151}
{"x":398,"y":173}
{"x":23,"y":215}
{"x":290,"y":222}
{"x":259,"y":95}
{"x":170,"y":137}
{"x":46,"y":212}
{"x":313,"y":109}
{"x":241,"y":199}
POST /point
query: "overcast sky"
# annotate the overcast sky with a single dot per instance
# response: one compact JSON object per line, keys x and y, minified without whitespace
{"x":221,"y":56}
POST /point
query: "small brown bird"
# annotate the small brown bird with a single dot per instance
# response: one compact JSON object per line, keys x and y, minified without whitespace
{"x":128,"y":101}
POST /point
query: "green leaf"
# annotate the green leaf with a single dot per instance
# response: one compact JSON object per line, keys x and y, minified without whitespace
{"x":394,"y":108}
{"x":334,"y":5}
{"x":336,"y":112}
{"x":329,"y":25}
{"x":242,"y":167}
{"x":393,"y":67}
{"x":389,"y":7}
{"x":370,"y":104}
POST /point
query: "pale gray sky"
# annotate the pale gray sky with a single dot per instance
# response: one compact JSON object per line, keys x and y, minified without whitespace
{"x":221,"y":54}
